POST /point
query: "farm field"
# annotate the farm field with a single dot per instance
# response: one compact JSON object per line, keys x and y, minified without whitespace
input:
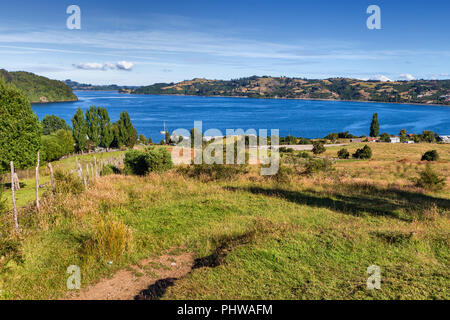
{"x":291,"y":236}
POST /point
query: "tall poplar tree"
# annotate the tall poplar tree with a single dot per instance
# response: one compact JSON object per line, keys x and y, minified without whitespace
{"x":93,"y":125}
{"x":374,"y":126}
{"x":79,"y":126}
{"x":106,"y":131}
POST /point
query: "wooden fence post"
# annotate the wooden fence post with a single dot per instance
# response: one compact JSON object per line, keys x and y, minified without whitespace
{"x":37,"y":183}
{"x":80,"y":173}
{"x":16,"y":181}
{"x":14,"y":196}
{"x":52,"y":177}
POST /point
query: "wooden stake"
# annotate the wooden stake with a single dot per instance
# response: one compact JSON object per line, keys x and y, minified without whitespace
{"x":14,"y":197}
{"x":52,"y":177}
{"x":37,"y":183}
{"x":16,"y":182}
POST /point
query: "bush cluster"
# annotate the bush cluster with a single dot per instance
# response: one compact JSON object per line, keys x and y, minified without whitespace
{"x":363,"y":153}
{"x":431,"y":155}
{"x":211,"y":172}
{"x":150,"y":160}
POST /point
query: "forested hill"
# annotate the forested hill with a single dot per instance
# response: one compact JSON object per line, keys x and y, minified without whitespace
{"x":418,"y":91}
{"x":39,"y":89}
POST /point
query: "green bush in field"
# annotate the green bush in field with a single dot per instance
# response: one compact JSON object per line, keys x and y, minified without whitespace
{"x":150,"y":160}
{"x":317,"y":165}
{"x":318,"y":148}
{"x":430,"y":180}
{"x":304,"y":155}
{"x":211,"y":172}
{"x":431,"y":155}
{"x":56,"y":145}
{"x":363,"y":153}
{"x":68,"y":183}
{"x":343,"y":154}
{"x":110,"y":169}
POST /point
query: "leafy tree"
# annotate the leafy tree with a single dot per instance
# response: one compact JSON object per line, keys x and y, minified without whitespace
{"x":106,"y":131}
{"x":385,"y":137}
{"x":93,"y":125}
{"x":431,"y":155}
{"x":127,"y":134}
{"x":428,"y":136}
{"x":403,"y":135}
{"x":80,"y":129}
{"x":142,"y":139}
{"x":343,"y":154}
{"x":167,"y":137}
{"x":375,"y":126}
{"x":56,"y":145}
{"x":66,"y":141}
{"x":149,"y":140}
{"x":51,"y":148}
{"x":332,"y":137}
{"x":20,"y":129}
{"x":363,"y":153}
{"x":318,"y":148}
{"x":51,"y":124}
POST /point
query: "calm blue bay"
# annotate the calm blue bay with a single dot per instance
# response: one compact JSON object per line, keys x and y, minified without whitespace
{"x":309,"y":119}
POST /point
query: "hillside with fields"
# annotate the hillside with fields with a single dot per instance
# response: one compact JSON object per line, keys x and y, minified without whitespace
{"x":417,"y":91}
{"x":39,"y":89}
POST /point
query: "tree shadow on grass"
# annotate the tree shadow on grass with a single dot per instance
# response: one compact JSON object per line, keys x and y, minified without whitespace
{"x":392,"y":203}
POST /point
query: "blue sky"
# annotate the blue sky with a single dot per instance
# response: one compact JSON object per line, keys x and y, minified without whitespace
{"x":142,"y":42}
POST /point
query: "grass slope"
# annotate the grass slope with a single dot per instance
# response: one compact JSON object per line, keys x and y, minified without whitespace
{"x":308,"y":237}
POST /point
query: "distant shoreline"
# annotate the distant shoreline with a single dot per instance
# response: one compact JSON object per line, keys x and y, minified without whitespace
{"x":304,"y":99}
{"x":49,"y":102}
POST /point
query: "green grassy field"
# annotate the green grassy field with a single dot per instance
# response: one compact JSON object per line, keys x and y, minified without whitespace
{"x":302,"y":237}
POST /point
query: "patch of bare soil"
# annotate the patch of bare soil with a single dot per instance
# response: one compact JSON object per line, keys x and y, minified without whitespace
{"x":155,"y":274}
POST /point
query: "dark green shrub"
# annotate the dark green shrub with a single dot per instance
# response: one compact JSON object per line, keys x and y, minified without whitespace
{"x":68,"y":183}
{"x":431,"y":155}
{"x":110,"y":169}
{"x":286,"y":150}
{"x":317,"y":165}
{"x":282,"y":176}
{"x":363,"y":153}
{"x":210,"y":172}
{"x":304,"y":155}
{"x":149,"y":160}
{"x":343,"y":154}
{"x":385,"y":137}
{"x":430,"y":180}
{"x":318,"y":148}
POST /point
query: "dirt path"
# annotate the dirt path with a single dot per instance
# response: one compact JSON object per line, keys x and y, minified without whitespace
{"x":148,"y":280}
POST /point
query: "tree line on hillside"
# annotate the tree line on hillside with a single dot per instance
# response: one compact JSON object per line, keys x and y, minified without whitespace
{"x":417,"y":91}
{"x":22,"y":135}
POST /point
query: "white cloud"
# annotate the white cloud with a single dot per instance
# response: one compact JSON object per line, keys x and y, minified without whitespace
{"x":407,"y":77}
{"x":444,"y":75}
{"x":380,"y":77}
{"x":121,"y":65}
{"x":124,"y":65}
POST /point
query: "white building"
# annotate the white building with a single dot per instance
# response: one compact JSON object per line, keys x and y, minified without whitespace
{"x":395,"y":140}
